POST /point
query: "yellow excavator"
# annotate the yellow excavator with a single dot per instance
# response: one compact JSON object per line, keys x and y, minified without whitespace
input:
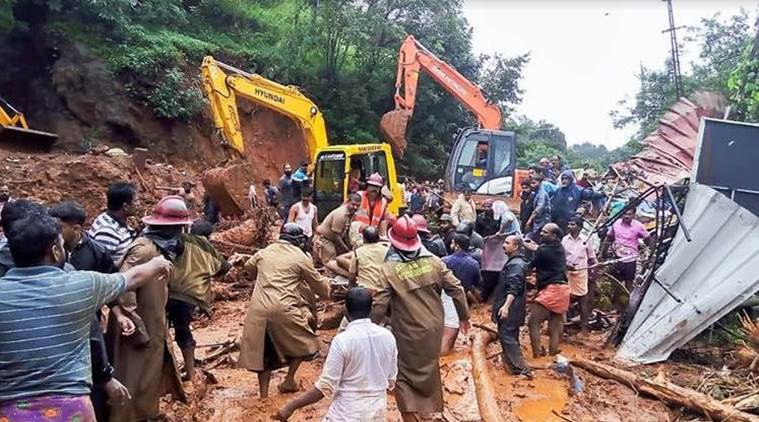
{"x":330,"y":165}
{"x":15,"y":130}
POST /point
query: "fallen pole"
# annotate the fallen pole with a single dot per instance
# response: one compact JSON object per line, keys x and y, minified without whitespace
{"x":483,"y":384}
{"x":668,"y":392}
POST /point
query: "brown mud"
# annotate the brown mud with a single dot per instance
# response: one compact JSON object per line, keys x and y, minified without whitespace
{"x":547,"y":397}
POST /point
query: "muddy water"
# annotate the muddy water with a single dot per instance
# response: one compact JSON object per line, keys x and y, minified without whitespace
{"x":235,"y":397}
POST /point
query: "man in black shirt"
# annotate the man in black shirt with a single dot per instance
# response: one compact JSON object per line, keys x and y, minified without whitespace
{"x":447,"y":231}
{"x":527,"y":206}
{"x":431,"y":242}
{"x":509,"y":302}
{"x":552,"y":300}
{"x":485,"y":224}
{"x":84,"y":254}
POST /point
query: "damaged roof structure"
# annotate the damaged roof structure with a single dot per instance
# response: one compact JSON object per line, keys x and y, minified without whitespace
{"x":710,"y":266}
{"x":667,"y":154}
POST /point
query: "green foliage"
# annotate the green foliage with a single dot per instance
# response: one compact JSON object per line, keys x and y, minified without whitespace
{"x":7,"y":21}
{"x":530,"y":153}
{"x":342,"y":53}
{"x":599,"y":157}
{"x":720,"y":67}
{"x":743,"y":84}
{"x":656,"y":94}
{"x":174,"y":98}
{"x":500,"y":79}
{"x":720,"y":44}
{"x":536,"y":140}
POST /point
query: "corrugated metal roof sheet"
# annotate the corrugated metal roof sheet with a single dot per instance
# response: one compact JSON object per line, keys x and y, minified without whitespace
{"x":711,"y":275}
{"x":667,"y":154}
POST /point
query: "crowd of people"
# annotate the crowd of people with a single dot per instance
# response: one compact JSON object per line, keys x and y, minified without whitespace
{"x":429,"y":276}
{"x":408,"y":287}
{"x":56,"y":361}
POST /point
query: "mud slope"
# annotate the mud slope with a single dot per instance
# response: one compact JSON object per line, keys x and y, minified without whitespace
{"x":64,"y":88}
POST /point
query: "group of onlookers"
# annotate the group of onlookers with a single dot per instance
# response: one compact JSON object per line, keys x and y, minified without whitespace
{"x":56,"y":362}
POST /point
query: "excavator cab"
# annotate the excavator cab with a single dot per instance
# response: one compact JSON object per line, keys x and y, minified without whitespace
{"x":482,"y":160}
{"x":334,"y":166}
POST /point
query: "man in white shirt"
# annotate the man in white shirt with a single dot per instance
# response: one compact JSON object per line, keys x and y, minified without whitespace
{"x":463,"y":208}
{"x":304,"y":214}
{"x":361,"y":366}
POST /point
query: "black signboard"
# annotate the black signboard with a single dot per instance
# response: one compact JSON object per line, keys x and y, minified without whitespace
{"x":727,"y":159}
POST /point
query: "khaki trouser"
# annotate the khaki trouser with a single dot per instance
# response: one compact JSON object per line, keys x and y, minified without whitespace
{"x":325,"y":249}
{"x":539,"y":314}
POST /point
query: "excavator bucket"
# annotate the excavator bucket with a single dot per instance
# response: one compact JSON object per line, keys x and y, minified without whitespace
{"x":228,"y":187}
{"x":393,"y":130}
{"x":27,"y":139}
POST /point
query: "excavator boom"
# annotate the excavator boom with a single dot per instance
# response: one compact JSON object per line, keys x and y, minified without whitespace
{"x":222,"y":83}
{"x":330,"y":165}
{"x":413,"y":58}
{"x":14,"y":130}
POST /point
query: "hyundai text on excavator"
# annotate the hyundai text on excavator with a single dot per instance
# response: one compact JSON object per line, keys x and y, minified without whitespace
{"x":15,"y":130}
{"x":331,"y":164}
{"x":482,"y":158}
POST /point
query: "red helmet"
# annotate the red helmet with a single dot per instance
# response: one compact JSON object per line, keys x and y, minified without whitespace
{"x":403,"y":235}
{"x":375,"y":180}
{"x":169,"y":211}
{"x":421,"y":223}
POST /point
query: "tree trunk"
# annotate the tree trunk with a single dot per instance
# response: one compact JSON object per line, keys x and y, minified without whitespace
{"x":486,"y":397}
{"x":668,"y":392}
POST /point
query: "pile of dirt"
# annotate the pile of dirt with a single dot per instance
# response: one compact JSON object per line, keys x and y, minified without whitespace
{"x":78,"y":97}
{"x":50,"y":178}
{"x":254,"y":230}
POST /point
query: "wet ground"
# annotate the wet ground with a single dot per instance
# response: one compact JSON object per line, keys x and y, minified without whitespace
{"x":227,"y":393}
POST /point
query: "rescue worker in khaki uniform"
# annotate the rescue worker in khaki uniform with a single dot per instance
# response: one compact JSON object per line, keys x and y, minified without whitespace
{"x":363,"y":266}
{"x":413,"y":280}
{"x":189,"y":289}
{"x":373,"y":209}
{"x":279,"y":328}
{"x":137,"y":333}
{"x":332,"y":233}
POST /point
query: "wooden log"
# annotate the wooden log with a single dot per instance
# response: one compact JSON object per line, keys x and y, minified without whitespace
{"x":227,"y":347}
{"x":486,"y":396}
{"x":668,"y":392}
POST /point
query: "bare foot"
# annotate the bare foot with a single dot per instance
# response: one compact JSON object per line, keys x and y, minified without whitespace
{"x":288,"y":387}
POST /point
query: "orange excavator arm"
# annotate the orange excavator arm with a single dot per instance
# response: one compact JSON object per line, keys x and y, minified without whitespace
{"x":412,"y":59}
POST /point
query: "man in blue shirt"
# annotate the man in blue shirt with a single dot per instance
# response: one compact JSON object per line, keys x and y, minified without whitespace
{"x":45,"y":317}
{"x":541,"y":213}
{"x":467,"y":270}
{"x":300,"y":180}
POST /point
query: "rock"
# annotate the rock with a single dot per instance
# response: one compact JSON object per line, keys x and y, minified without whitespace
{"x":116,"y":152}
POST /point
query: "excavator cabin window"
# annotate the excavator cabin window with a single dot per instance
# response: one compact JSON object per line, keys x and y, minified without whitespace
{"x":472,"y":165}
{"x":375,"y":162}
{"x":331,"y":176}
{"x":329,"y":181}
{"x":483,"y":161}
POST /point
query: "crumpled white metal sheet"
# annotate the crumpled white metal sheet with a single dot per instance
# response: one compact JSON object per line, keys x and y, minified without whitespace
{"x":714,"y":273}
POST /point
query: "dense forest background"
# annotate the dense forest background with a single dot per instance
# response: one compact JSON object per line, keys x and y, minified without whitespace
{"x":343,"y":54}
